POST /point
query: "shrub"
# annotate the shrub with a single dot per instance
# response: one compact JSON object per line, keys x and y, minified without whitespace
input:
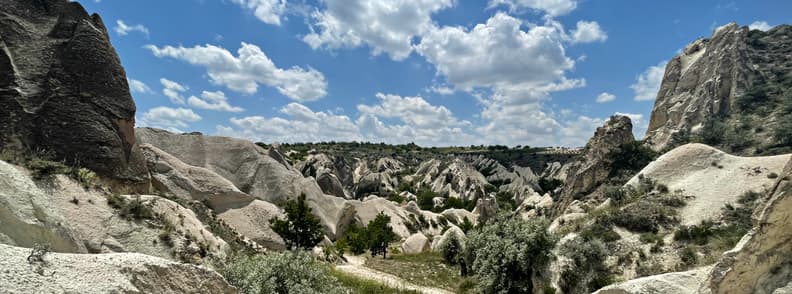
{"x":689,"y":257}
{"x":451,"y":249}
{"x":772,"y":176}
{"x":301,"y":229}
{"x":599,"y":231}
{"x":135,"y":209}
{"x":549,"y":185}
{"x":426,"y":199}
{"x":643,"y":216}
{"x":466,"y":225}
{"x":287,"y":272}
{"x":357,"y":239}
{"x":631,"y":157}
{"x":617,"y":194}
{"x":587,"y":271}
{"x":508,"y":251}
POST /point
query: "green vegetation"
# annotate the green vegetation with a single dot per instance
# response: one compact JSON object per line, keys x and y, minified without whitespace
{"x":380,"y":234}
{"x":507,"y":251}
{"x":134,"y":209}
{"x":587,"y":271}
{"x":287,"y":272}
{"x":42,"y":165}
{"x":629,"y":159}
{"x":451,"y":249}
{"x":549,"y":185}
{"x":426,"y":269}
{"x":364,"y":286}
{"x":301,"y":229}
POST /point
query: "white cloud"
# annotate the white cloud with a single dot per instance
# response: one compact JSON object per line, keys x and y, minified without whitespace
{"x":442,"y":90}
{"x":394,"y":119}
{"x":173,"y":90}
{"x":760,"y":25}
{"x":588,"y":32}
{"x":213,"y":101}
{"x":605,"y":97}
{"x":173,"y":119}
{"x":122,"y":29}
{"x":267,"y":11}
{"x":244,"y":73}
{"x":497,"y":53}
{"x":551,"y":7}
{"x":648,"y":83}
{"x":139,"y":87}
{"x":385,"y":26}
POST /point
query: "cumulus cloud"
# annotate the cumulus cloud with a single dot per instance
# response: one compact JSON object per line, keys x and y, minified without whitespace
{"x":648,"y":83}
{"x":588,"y":32}
{"x":267,"y":11}
{"x":760,"y":25}
{"x":136,"y":86}
{"x":243,"y":73}
{"x":605,"y":97}
{"x":173,"y":90}
{"x":385,"y":26}
{"x":393,"y":119}
{"x":213,"y":101}
{"x":442,"y":90}
{"x":174,"y":119}
{"x":122,"y":29}
{"x":551,"y":7}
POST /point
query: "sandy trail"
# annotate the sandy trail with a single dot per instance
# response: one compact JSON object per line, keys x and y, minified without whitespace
{"x":355,"y":267}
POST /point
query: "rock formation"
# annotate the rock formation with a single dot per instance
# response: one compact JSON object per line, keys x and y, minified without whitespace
{"x":416,"y":243}
{"x":594,"y":166}
{"x":710,"y":177}
{"x":24,"y":272}
{"x":455,"y":178}
{"x":63,"y":90}
{"x":707,"y":80}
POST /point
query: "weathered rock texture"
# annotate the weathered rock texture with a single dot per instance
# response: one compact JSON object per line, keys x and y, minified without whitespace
{"x":762,"y":261}
{"x":62,"y":88}
{"x":455,"y":178}
{"x":705,"y":81}
{"x":711,"y":177}
{"x":670,"y":283}
{"x":594,"y":166}
{"x":103,"y":273}
{"x":263,"y":174}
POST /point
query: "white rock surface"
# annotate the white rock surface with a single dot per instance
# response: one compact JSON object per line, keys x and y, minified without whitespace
{"x":416,"y":243}
{"x":103,"y":273}
{"x":670,"y":283}
{"x":713,"y":177}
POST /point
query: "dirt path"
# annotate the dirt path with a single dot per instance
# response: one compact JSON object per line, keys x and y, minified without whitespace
{"x":355,"y":267}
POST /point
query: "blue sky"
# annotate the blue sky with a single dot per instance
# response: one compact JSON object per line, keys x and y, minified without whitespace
{"x":433,"y":72}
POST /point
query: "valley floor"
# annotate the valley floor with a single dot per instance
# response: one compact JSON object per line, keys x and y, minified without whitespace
{"x":356,"y":267}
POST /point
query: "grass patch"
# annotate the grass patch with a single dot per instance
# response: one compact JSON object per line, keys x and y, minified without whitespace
{"x":425,"y":269}
{"x":364,"y":286}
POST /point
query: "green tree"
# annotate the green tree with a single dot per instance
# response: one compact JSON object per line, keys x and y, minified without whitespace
{"x":357,"y":239}
{"x":380,"y":234}
{"x":301,"y":229}
{"x":451,"y":249}
{"x":508,"y":251}
{"x":587,"y":271}
{"x":287,"y":272}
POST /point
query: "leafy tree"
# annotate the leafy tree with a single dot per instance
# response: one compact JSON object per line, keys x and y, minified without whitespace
{"x":380,"y":234}
{"x":357,"y":239}
{"x":301,"y":229}
{"x":426,"y":198}
{"x":451,"y":249}
{"x":508,"y":251}
{"x":466,"y":225}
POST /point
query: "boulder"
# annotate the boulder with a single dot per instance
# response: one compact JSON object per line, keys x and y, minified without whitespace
{"x":103,"y":273}
{"x":453,"y":231}
{"x":330,"y":184}
{"x":64,"y":90}
{"x":416,"y":243}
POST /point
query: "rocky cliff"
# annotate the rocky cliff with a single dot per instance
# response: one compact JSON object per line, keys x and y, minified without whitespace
{"x":729,"y":90}
{"x":63,"y":90}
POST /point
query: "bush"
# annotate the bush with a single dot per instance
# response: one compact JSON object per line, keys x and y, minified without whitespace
{"x":357,"y":239}
{"x":508,"y":251}
{"x":287,"y":272}
{"x":600,"y":231}
{"x":772,"y":176}
{"x":466,"y":225}
{"x":426,"y":199}
{"x":301,"y":229}
{"x":134,"y":209}
{"x":587,"y":271}
{"x":549,"y":185}
{"x":689,"y":257}
{"x":630,"y":158}
{"x":451,"y":249}
{"x":644,"y":216}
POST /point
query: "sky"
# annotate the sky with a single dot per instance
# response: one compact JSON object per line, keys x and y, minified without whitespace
{"x":432,"y":72}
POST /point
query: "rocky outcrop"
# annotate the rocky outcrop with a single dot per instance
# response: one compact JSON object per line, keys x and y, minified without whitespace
{"x":594,"y":165}
{"x":762,"y":261}
{"x":416,"y":243}
{"x":555,"y":170}
{"x":705,"y":81}
{"x":378,"y":183}
{"x":670,"y":283}
{"x":453,"y":232}
{"x":63,"y":89}
{"x":253,"y":170}
{"x":102,"y":273}
{"x":456,"y":179}
{"x":333,"y":173}
{"x":710,"y":178}
{"x":521,"y":182}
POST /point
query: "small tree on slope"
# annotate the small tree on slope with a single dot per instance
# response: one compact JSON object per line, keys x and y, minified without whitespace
{"x":380,"y":234}
{"x":301,"y":229}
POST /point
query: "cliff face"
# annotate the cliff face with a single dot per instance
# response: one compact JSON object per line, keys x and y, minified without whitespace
{"x":63,"y":90}
{"x":728,"y":91}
